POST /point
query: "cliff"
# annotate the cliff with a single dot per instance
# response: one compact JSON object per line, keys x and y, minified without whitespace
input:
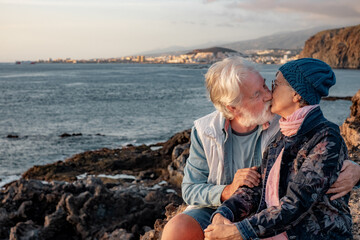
{"x":340,"y":48}
{"x":350,"y":129}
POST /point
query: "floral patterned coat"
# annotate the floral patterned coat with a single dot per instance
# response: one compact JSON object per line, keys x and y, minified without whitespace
{"x":311,"y":163}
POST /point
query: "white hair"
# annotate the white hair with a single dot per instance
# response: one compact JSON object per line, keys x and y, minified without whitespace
{"x":223,"y":82}
{"x":249,"y":119}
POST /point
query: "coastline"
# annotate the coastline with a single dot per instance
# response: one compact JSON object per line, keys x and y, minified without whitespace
{"x":9,"y":178}
{"x":76,"y":197}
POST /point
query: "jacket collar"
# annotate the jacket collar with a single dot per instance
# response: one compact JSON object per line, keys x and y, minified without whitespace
{"x":312,"y":119}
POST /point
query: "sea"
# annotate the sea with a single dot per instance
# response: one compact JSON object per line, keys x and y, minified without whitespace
{"x":110,"y":106}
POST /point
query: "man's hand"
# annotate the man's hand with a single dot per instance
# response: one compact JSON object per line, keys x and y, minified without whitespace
{"x":222,"y":231}
{"x":245,"y":176}
{"x":220,"y":219}
{"x":349,"y":176}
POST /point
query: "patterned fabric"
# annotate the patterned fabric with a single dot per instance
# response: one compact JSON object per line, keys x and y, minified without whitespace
{"x":311,"y":163}
{"x":288,"y":127}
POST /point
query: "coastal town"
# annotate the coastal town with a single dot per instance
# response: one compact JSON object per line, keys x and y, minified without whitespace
{"x":198,"y":56}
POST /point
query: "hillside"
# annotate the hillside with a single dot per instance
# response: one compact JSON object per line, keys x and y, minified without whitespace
{"x":214,"y":50}
{"x":285,"y":40}
{"x":340,"y":48}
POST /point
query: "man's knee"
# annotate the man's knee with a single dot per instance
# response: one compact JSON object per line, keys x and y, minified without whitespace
{"x":182,"y":226}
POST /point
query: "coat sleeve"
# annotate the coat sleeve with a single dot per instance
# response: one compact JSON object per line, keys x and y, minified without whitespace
{"x":195,"y":187}
{"x":241,"y":204}
{"x":317,"y":173}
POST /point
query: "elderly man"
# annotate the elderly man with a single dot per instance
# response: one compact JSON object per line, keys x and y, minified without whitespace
{"x":227,"y":146}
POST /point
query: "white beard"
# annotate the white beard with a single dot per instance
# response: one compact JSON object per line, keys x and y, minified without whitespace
{"x":250,"y":119}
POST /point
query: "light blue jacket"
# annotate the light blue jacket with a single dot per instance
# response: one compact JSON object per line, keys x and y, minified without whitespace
{"x":198,"y":187}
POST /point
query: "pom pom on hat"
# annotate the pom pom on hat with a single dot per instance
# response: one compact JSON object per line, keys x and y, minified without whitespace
{"x":310,"y":78}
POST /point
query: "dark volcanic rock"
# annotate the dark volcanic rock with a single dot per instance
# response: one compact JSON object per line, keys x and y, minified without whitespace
{"x":64,"y":135}
{"x":12,"y":136}
{"x":128,"y":160}
{"x":334,"y":98}
{"x":171,"y":211}
{"x":95,"y":208}
{"x":84,"y":209}
{"x":176,"y":167}
{"x":337,"y":47}
{"x":179,"y":138}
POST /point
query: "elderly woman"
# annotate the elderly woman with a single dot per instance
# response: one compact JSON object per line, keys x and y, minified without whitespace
{"x":298,"y":168}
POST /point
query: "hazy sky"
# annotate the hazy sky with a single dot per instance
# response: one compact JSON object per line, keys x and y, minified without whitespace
{"x":83,"y":29}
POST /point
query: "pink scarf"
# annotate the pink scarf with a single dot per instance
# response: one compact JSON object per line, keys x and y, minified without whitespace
{"x":291,"y":124}
{"x":288,"y":127}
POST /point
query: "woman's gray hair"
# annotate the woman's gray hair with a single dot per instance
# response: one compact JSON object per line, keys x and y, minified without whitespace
{"x":223,"y":81}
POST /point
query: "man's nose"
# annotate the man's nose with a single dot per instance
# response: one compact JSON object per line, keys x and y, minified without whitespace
{"x":268,"y":95}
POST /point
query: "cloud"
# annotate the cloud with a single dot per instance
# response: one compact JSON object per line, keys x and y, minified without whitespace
{"x":227,"y":25}
{"x":80,"y":3}
{"x":330,"y":8}
{"x":209,"y":1}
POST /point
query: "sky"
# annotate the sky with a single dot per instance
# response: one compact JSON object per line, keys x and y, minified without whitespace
{"x":85,"y":29}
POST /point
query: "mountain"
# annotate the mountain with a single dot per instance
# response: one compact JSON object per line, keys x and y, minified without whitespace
{"x":214,"y":50}
{"x":177,"y":50}
{"x":340,"y":47}
{"x":283,"y":40}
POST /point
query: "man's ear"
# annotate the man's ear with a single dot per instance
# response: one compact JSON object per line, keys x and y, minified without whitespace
{"x":231,"y":109}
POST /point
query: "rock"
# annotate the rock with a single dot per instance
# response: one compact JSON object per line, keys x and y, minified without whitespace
{"x":128,"y":160}
{"x":176,"y":167}
{"x":179,"y":138}
{"x":12,"y":136}
{"x":350,"y":129}
{"x":118,"y":234}
{"x":355,"y":212}
{"x":337,"y":47}
{"x":84,"y":209}
{"x":334,"y":98}
{"x":171,"y":211}
{"x":28,"y":229}
{"x":64,"y":135}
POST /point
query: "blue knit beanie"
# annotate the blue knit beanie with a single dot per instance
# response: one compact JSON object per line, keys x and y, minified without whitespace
{"x":309,"y":77}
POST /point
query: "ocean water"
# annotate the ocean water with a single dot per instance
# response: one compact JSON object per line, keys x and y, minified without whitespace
{"x":111,"y":105}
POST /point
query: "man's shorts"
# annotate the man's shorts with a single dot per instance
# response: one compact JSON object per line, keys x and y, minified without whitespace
{"x":201,"y":215}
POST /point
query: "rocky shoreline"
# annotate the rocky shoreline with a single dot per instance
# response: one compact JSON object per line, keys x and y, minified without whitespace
{"x":127,"y":193}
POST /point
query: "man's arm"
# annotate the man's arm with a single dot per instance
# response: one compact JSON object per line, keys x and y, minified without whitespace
{"x":348,"y":178}
{"x":195,"y":188}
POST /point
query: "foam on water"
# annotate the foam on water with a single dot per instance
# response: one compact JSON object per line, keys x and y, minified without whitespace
{"x":8,"y":179}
